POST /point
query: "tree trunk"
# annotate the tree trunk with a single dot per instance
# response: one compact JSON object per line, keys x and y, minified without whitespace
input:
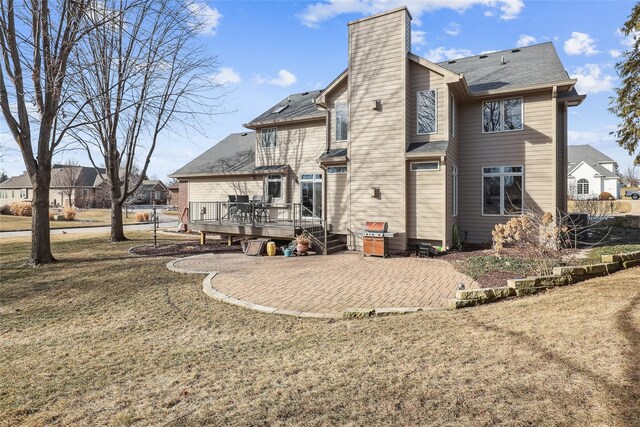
{"x":40,"y":236}
{"x":117,"y":230}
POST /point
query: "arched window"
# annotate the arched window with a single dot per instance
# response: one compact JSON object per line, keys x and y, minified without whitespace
{"x":583,"y":187}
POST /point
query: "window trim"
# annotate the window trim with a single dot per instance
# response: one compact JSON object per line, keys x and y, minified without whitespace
{"x":578,"y":187}
{"x":435,"y":115}
{"x":501,"y":101}
{"x":452,"y":115}
{"x":425,"y":170}
{"x":454,"y":186}
{"x":275,"y":143}
{"x":501,"y":174}
{"x":335,"y":107}
{"x":269,"y":179}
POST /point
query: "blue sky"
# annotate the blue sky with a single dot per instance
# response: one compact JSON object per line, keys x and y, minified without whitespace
{"x":269,"y":49}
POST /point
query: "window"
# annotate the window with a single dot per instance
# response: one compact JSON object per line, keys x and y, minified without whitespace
{"x":426,"y":107}
{"x":158,"y":195}
{"x":274,"y":186}
{"x":85,"y":193}
{"x":269,"y":137}
{"x":425,"y":166}
{"x":452,"y":115}
{"x":24,"y":193}
{"x":503,"y":115}
{"x":336,"y":169}
{"x":502,"y":190}
{"x":583,"y":187}
{"x":454,"y":190}
{"x":342,"y":121}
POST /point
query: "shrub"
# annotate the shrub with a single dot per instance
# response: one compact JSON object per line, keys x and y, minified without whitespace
{"x":142,"y":216}
{"x":20,"y":208}
{"x":605,"y":195}
{"x":5,"y":210}
{"x":52,"y":214}
{"x":69,"y":214}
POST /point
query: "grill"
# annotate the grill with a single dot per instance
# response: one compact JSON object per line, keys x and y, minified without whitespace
{"x":375,"y":239}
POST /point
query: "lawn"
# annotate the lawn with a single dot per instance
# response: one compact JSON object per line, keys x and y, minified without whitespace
{"x":106,"y":338}
{"x":84,"y":218}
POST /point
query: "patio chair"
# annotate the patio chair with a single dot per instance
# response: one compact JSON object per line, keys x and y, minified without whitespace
{"x":262,"y":209}
{"x":231,"y":207}
{"x":243,"y":208}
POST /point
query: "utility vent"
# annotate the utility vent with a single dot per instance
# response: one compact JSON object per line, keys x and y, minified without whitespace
{"x":279,"y":109}
{"x":453,"y":61}
{"x":483,"y":56}
{"x":244,"y":134}
{"x":515,"y":50}
{"x":305,"y":93}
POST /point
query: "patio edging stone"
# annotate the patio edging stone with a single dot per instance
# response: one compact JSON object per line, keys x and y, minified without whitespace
{"x":562,"y":276}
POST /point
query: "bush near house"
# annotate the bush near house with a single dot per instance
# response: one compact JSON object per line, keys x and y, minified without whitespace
{"x":142,"y":216}
{"x":20,"y":208}
{"x":605,"y":195}
{"x":69,"y":214}
{"x":5,"y":210}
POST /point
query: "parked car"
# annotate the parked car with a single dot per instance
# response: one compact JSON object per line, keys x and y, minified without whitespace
{"x":634,"y":194}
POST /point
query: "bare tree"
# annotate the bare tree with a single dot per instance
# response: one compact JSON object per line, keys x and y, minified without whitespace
{"x":145,"y":73}
{"x":632,"y":175}
{"x":36,"y":42}
{"x":66,"y":179}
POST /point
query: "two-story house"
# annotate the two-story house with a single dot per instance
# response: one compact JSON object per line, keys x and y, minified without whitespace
{"x":591,"y":172}
{"x":423,"y":146}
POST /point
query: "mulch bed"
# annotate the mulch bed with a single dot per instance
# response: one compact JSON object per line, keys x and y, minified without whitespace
{"x":186,"y":248}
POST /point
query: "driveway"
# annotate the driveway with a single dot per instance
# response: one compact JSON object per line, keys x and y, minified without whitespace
{"x":325,"y":286}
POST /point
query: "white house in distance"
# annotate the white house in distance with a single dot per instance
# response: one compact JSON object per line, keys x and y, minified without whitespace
{"x":591,"y":173}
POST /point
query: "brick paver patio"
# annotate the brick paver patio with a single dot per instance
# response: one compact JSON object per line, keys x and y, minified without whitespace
{"x":329,"y":284}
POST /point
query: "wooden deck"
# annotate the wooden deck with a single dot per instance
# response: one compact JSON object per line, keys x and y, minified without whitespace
{"x":277,"y":231}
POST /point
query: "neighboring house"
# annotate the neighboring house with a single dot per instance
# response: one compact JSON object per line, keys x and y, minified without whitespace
{"x":469,"y":142}
{"x":173,"y":194}
{"x":151,"y":191}
{"x":591,"y":173}
{"x":80,"y":184}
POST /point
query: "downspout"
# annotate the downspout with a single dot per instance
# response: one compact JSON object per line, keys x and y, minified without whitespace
{"x":327,"y":147}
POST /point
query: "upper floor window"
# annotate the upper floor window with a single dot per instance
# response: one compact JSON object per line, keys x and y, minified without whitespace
{"x":336,"y":169}
{"x":502,"y":190}
{"x":425,"y":166}
{"x":342,"y":121}
{"x":269,"y":137}
{"x":427,"y":111}
{"x":502,"y":115}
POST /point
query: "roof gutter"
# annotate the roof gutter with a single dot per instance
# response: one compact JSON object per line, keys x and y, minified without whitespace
{"x":226,"y":174}
{"x":548,"y":85}
{"x":257,"y":125}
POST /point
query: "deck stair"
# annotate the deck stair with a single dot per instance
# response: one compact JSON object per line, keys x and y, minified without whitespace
{"x":333,"y":242}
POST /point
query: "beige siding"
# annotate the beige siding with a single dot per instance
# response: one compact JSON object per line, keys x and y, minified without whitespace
{"x":337,"y":202}
{"x":424,"y":79}
{"x":377,"y":70}
{"x":339,"y":94}
{"x":424,"y":204}
{"x":217,"y":189}
{"x":531,"y":147}
{"x":452,"y":159}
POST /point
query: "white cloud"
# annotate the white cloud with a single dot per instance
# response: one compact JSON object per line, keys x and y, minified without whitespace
{"x":591,"y":79}
{"x":591,"y":137}
{"x":453,"y":29}
{"x":285,"y":78}
{"x":525,"y":40}
{"x":418,"y":38}
{"x":580,"y":44}
{"x":629,"y":40}
{"x":316,"y":13}
{"x":615,"y":53}
{"x":226,"y":75}
{"x":489,"y":13}
{"x":206,"y":17}
{"x":442,"y":54}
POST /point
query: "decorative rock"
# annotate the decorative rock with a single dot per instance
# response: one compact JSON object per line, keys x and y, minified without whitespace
{"x":568,"y":271}
{"x":521,"y":283}
{"x":396,"y":310}
{"x":456,"y":303}
{"x":358,"y":313}
{"x":612,"y":267}
{"x":504,"y":292}
{"x":595,"y":268}
{"x":532,"y":291}
{"x":475,"y":294}
{"x":629,"y":256}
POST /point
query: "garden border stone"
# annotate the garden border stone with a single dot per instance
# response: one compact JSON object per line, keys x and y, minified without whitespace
{"x":562,"y":276}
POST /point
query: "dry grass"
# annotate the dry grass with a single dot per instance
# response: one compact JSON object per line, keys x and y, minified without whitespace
{"x":84,"y":218}
{"x":103,"y":338}
{"x":620,"y":206}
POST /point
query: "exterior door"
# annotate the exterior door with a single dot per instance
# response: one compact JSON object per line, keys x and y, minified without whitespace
{"x":311,"y":195}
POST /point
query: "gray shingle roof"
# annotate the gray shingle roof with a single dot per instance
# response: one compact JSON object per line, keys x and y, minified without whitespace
{"x":335,"y":152}
{"x":234,"y":154}
{"x":427,"y":147}
{"x":86,"y":176}
{"x":525,"y":66}
{"x":296,"y":106}
{"x":586,"y":153}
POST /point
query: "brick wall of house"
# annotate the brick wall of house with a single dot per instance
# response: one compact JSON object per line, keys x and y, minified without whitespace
{"x":183,"y":196}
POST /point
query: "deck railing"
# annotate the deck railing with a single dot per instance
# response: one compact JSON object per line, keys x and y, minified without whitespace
{"x":253,"y":213}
